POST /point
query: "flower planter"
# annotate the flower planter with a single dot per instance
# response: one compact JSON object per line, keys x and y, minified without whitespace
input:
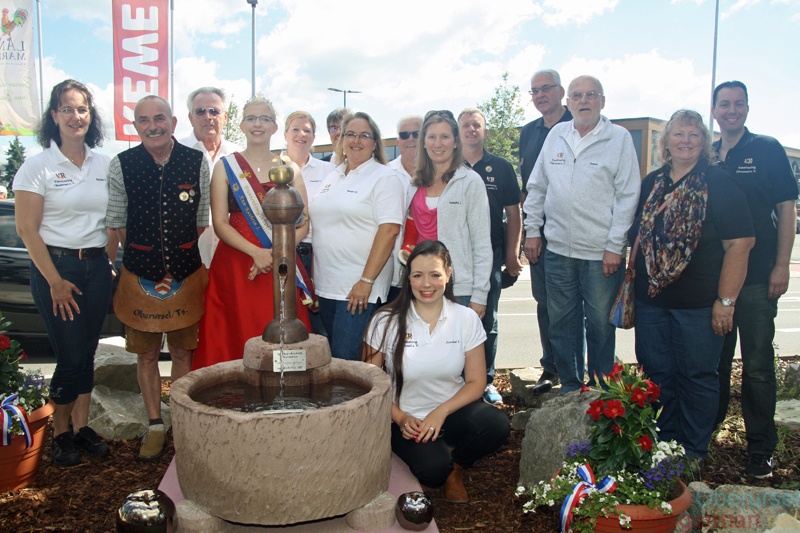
{"x":644,"y":519}
{"x":18,"y":466}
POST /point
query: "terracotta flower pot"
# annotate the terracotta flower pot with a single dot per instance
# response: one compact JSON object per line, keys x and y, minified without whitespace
{"x":646,"y":520}
{"x":18,"y":466}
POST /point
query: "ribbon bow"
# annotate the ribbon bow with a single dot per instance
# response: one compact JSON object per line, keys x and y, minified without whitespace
{"x":8,"y":410}
{"x":579,"y":492}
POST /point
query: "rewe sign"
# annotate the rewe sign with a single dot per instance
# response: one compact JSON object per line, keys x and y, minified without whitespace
{"x":141,"y":61}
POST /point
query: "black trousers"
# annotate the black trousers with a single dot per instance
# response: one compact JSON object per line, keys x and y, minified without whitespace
{"x":474,"y":431}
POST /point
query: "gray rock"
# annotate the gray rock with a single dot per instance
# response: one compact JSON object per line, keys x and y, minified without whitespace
{"x":115,"y":368}
{"x":791,"y":382}
{"x":520,"y":419}
{"x":692,"y":519}
{"x":117,"y":415}
{"x":787,"y":413}
{"x":523,"y":380}
{"x":735,"y":508}
{"x":551,"y":429}
{"x":785,"y":523}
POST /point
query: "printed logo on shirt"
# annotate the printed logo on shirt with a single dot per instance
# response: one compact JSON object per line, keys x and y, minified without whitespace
{"x":559,"y":159}
{"x":455,"y":341}
{"x":747,"y":167}
{"x":325,"y":189}
{"x":490,"y":179}
{"x":410,"y":342}
{"x":748,"y":161}
{"x":62,"y":180}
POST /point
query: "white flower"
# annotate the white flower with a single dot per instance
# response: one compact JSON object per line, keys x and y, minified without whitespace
{"x":520,"y":490}
{"x":551,"y":502}
{"x":666,"y":508}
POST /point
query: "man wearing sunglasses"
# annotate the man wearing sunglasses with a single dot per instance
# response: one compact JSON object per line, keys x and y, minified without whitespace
{"x":408,"y":128}
{"x":208,"y":113}
{"x":334,"y":123}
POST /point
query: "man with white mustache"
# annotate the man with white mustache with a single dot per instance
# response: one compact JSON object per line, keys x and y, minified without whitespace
{"x":408,"y":128}
{"x":586,"y":182}
{"x":158,"y":203}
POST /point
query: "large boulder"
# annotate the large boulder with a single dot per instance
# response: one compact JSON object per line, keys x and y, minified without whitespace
{"x":787,"y":413}
{"x":791,"y":382}
{"x":551,"y":429}
{"x":118,"y":415}
{"x":115,"y":368}
{"x":735,"y":508}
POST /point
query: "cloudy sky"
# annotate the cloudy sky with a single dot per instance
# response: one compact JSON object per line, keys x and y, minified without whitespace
{"x":410,"y":56}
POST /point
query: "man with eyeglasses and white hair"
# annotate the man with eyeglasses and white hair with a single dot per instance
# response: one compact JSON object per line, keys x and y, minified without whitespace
{"x":208,"y":113}
{"x":408,"y":128}
{"x":586,"y":183}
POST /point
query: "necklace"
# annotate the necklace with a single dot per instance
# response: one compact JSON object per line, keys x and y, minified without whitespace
{"x":257,"y":162}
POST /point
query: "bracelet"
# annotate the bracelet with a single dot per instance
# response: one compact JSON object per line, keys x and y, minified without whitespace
{"x":367,"y":280}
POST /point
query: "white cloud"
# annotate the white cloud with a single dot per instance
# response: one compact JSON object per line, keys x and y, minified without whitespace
{"x":221,"y":45}
{"x":740,"y":4}
{"x":563,"y":12}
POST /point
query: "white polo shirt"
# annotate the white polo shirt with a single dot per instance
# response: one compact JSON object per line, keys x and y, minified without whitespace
{"x":432,"y":362}
{"x":397,"y":165}
{"x":75,"y":199}
{"x":314,"y":171}
{"x":346,"y":213}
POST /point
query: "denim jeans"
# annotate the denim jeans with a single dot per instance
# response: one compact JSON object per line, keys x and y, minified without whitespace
{"x":574,"y":285}
{"x":74,"y":341}
{"x":490,"y":318}
{"x":755,"y":321}
{"x":345,"y":329}
{"x":679,"y":351}
{"x":539,"y":291}
{"x":306,"y":253}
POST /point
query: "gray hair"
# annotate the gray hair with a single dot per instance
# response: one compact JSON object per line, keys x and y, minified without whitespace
{"x":207,"y":90}
{"x":595,"y":80}
{"x":550,"y":72}
{"x":406,"y":118}
{"x":153,"y":97}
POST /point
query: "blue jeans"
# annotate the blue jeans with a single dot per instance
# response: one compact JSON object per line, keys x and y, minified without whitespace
{"x":74,"y":341}
{"x":539,"y":291}
{"x":345,"y":329}
{"x":306,"y":253}
{"x":490,"y":318}
{"x":574,"y":285}
{"x":679,"y":351}
{"x":755,"y":320}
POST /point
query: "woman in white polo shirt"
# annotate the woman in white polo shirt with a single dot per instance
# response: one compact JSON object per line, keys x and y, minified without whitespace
{"x":356,"y":217}
{"x":61,"y":201}
{"x":432,"y":347}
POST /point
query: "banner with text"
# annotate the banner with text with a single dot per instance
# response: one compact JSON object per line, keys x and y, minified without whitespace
{"x":19,"y":94}
{"x":141,"y":58}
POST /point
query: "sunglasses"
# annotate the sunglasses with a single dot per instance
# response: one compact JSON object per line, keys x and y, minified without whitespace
{"x":406,"y":134}
{"x":213,"y":111}
{"x":442,"y":113}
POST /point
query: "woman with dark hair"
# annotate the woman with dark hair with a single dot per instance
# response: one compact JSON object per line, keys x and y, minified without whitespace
{"x":449,"y":203}
{"x":356,"y":216}
{"x":693,"y":232}
{"x":433,"y":350}
{"x":61,"y":201}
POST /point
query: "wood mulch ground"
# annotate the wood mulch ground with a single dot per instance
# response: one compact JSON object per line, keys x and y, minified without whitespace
{"x":85,"y":498}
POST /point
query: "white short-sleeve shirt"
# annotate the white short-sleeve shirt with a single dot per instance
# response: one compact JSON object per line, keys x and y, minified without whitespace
{"x":346,"y":213}
{"x":432,"y":362}
{"x":314,"y":172}
{"x":75,"y":199}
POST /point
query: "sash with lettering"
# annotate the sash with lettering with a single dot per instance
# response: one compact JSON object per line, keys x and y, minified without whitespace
{"x":247,"y":191}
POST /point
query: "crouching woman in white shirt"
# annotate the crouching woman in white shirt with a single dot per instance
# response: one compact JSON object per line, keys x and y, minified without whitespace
{"x":432,"y":348}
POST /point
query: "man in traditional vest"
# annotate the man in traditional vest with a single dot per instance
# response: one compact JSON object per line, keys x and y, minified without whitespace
{"x":158,"y":202}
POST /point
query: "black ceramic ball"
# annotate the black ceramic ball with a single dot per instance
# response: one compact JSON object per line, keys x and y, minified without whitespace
{"x":145,"y":511}
{"x":414,"y":511}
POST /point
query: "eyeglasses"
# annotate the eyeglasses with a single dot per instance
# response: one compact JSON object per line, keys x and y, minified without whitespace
{"x":591,"y":95}
{"x":334,"y":129}
{"x":213,"y":111}
{"x":443,"y":113}
{"x":544,"y":89}
{"x":263,"y":118}
{"x":406,"y":134}
{"x":363,"y":136}
{"x":67,"y":111}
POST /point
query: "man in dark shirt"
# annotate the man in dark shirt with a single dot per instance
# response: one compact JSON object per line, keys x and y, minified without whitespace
{"x":547,"y":95}
{"x":502,"y":189}
{"x":759,"y":166}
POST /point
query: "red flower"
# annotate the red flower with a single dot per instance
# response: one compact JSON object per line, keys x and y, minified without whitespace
{"x":653,"y":390}
{"x":614,"y":409}
{"x":584,"y":388}
{"x":645,"y":442}
{"x":24,"y":356}
{"x":617,"y":370}
{"x":639,"y":396}
{"x":5,"y":342}
{"x":596,"y":409}
{"x":617,"y":429}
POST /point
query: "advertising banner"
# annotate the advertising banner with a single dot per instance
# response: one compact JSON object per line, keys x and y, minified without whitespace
{"x":19,"y":100}
{"x":141,"y":58}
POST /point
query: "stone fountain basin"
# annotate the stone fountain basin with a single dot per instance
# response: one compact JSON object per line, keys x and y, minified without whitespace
{"x":276,"y":469}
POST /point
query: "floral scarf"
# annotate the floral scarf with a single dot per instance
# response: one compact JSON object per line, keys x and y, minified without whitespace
{"x":668,"y":249}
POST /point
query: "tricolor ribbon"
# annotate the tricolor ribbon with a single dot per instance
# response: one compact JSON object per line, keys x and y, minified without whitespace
{"x":579,"y":492}
{"x":9,"y":409}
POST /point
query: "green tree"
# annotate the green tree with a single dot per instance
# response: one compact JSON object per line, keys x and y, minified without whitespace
{"x":231,"y":131}
{"x":504,"y":115}
{"x":15,"y":156}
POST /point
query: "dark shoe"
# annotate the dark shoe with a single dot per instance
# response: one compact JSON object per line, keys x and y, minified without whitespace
{"x":759,"y":466}
{"x":545,"y":383}
{"x":90,"y":443}
{"x":64,"y":452}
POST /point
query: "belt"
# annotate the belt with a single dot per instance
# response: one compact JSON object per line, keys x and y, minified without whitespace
{"x":82,"y":253}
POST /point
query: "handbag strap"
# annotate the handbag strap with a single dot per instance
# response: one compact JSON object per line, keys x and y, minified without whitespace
{"x":632,"y":258}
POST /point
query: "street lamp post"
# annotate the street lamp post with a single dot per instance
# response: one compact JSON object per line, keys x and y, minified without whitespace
{"x":714,"y":71}
{"x":344,"y":92}
{"x":254,"y":3}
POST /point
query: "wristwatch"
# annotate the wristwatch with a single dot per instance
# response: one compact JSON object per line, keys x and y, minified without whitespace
{"x":727,"y":302}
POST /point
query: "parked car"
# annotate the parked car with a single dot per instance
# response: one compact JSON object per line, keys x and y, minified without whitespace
{"x":16,"y":301}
